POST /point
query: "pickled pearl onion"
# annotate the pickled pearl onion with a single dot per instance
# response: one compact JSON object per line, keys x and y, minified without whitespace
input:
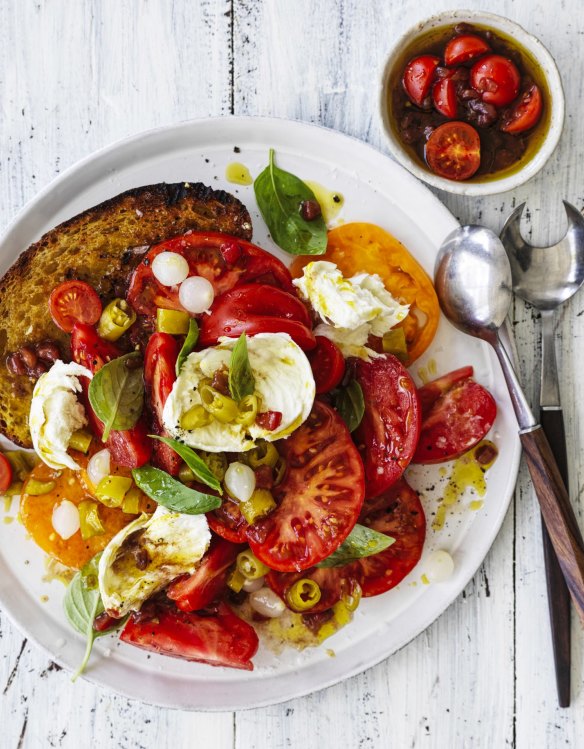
{"x":65,"y":519}
{"x":267,"y":603}
{"x":240,"y":481}
{"x":439,"y":566}
{"x":170,"y":268}
{"x":99,"y":466}
{"x":196,"y":294}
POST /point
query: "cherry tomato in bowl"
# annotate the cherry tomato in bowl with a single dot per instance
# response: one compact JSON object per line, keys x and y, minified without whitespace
{"x":444,"y":97}
{"x":464,"y":48}
{"x":418,"y":77}
{"x":453,"y":150}
{"x":526,"y":113}
{"x":74,"y":302}
{"x":496,"y":78}
{"x":328,"y":364}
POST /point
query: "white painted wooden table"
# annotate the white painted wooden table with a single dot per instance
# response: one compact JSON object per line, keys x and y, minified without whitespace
{"x":77,"y":75}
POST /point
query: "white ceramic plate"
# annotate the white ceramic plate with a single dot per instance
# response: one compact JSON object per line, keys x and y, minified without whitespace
{"x":377,"y":190}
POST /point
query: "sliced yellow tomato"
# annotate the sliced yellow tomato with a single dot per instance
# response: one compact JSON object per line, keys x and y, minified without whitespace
{"x":367,"y":248}
{"x":36,"y":513}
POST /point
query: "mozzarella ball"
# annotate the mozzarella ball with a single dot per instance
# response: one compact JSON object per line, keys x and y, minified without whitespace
{"x":240,"y":481}
{"x":170,"y":268}
{"x":196,"y":294}
{"x":65,"y":519}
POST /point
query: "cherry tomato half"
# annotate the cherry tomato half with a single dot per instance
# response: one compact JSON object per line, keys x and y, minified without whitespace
{"x":464,"y":48}
{"x":388,"y":433}
{"x":444,"y":97}
{"x":453,"y":150}
{"x":74,"y":301}
{"x":419,"y":76}
{"x":209,"y":579}
{"x":525,"y":114}
{"x":328,"y":364}
{"x":5,"y":473}
{"x":398,"y":513}
{"x":457,"y":414}
{"x":218,"y":638}
{"x":257,"y":308}
{"x":223,"y":260}
{"x":159,"y":377}
{"x":228,"y":522}
{"x":496,"y":78}
{"x":319,"y":499}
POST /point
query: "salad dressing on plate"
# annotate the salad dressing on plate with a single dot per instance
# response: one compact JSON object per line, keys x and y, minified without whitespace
{"x":238,"y":174}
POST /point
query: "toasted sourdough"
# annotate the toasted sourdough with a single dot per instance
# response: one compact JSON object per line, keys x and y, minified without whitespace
{"x":96,"y":246}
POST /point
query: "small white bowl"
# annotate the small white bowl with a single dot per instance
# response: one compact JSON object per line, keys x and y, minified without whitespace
{"x":525,"y":40}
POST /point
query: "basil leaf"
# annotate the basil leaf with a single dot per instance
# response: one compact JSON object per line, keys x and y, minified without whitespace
{"x":351,"y":405}
{"x":82,"y":603}
{"x":361,"y":542}
{"x":194,"y":462}
{"x":170,"y":493}
{"x":188,"y":345}
{"x":241,"y":379}
{"x":279,"y":195}
{"x":116,"y":393}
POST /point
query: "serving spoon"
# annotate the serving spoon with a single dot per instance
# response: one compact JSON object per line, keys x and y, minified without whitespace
{"x":473,"y":282}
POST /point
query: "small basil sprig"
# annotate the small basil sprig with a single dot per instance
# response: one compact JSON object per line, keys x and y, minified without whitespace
{"x":188,"y":345}
{"x":170,"y":493}
{"x":361,"y":542}
{"x":279,"y":195}
{"x":194,"y":462}
{"x":82,"y":603}
{"x":350,"y":404}
{"x":116,"y":393}
{"x":241,"y":379}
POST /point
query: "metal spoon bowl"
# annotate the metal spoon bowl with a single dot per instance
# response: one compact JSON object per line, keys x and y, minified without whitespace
{"x":473,"y":284}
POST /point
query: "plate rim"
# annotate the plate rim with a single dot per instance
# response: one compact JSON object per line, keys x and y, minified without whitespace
{"x":299,"y":690}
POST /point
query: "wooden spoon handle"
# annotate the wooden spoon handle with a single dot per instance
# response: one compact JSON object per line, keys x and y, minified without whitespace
{"x":557,"y":512}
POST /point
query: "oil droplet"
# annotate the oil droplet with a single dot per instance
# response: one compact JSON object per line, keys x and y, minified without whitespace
{"x":432,"y":367}
{"x":423,"y":375}
{"x":238,"y":174}
{"x":476,"y":504}
{"x":8,"y":519}
{"x":7,"y":504}
{"x":468,"y":472}
{"x":425,"y":580}
{"x":44,"y":599}
{"x":330,"y":202}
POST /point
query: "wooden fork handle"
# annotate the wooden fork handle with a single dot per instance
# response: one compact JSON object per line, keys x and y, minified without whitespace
{"x":557,"y":512}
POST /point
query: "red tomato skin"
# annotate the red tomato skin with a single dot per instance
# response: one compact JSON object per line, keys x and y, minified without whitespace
{"x":388,"y":434}
{"x":431,"y":391}
{"x":496,"y":78}
{"x":223,"y":260}
{"x":131,"y":448}
{"x":327,"y":363}
{"x":218,"y":639}
{"x":398,"y":513}
{"x":464,"y":48}
{"x":318,"y":500}
{"x":159,"y":376}
{"x":455,"y":422}
{"x":228,"y":522}
{"x":444,"y":97}
{"x":74,"y":302}
{"x":334,"y":583}
{"x":418,"y":77}
{"x":526,"y":113}
{"x":257,"y":308}
{"x":198,"y":590}
{"x":6,"y":473}
{"x":269,"y":420}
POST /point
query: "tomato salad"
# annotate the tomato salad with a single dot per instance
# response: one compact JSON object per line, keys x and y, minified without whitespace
{"x":243,"y":458}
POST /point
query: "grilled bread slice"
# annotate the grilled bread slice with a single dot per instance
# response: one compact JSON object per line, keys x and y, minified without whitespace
{"x":100,"y":246}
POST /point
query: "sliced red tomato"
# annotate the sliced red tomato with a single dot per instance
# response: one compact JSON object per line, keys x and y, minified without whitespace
{"x":458,"y":413}
{"x":223,"y":260}
{"x":444,"y":97}
{"x":453,"y":150}
{"x":209,"y":579}
{"x":74,"y":301}
{"x":328,"y":364}
{"x":398,"y":513}
{"x":219,"y":638}
{"x":334,"y":583}
{"x":464,"y":48}
{"x":5,"y":473}
{"x":131,"y":448}
{"x":319,"y":499}
{"x":159,"y":377}
{"x":496,"y":78}
{"x":525,"y":114}
{"x":388,"y":434}
{"x":257,"y":308}
{"x":228,"y":522}
{"x":419,"y":76}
